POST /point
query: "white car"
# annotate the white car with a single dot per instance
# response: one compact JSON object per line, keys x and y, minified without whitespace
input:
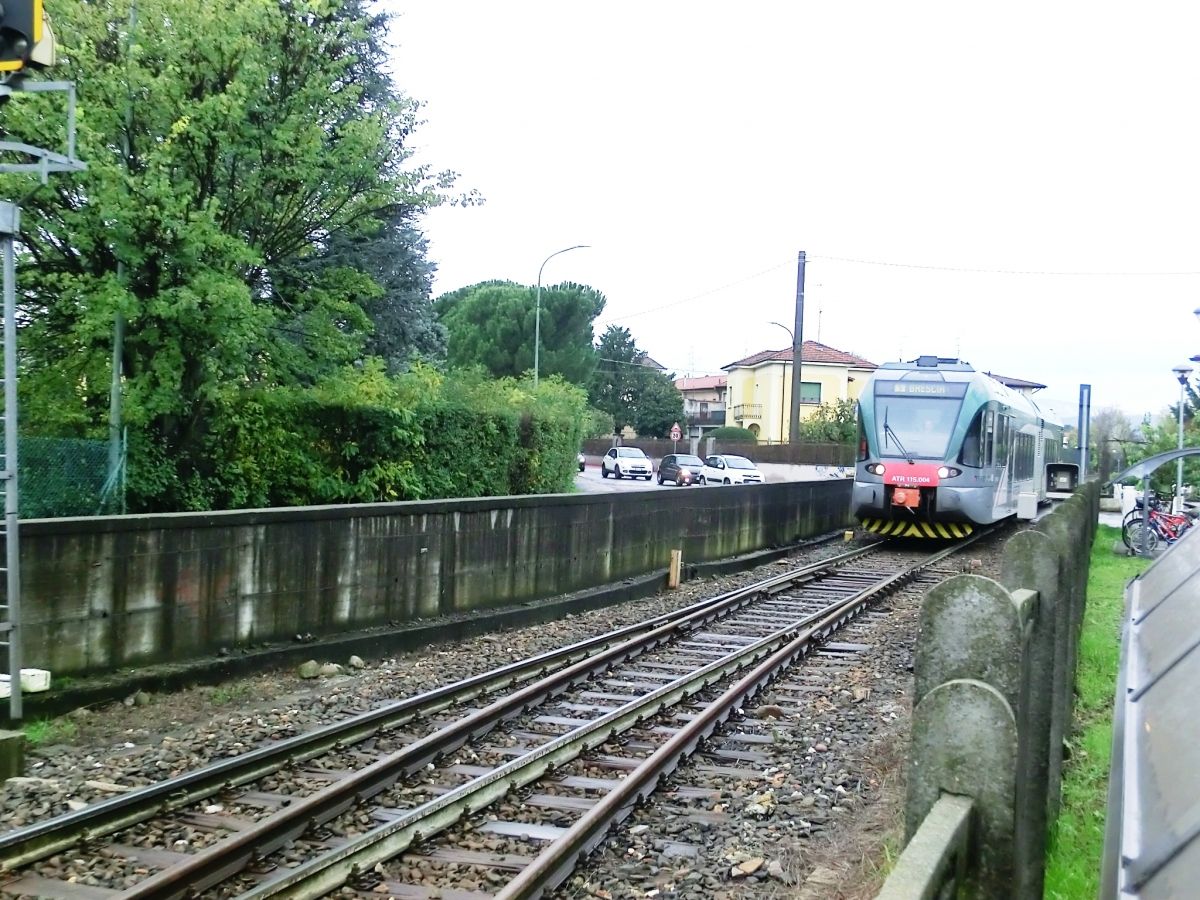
{"x":729,"y":470}
{"x":626,"y":461}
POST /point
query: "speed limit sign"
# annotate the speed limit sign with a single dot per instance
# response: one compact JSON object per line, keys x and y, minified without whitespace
{"x":676,"y":434}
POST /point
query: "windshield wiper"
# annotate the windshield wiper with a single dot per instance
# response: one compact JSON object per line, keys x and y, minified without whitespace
{"x":889,"y":431}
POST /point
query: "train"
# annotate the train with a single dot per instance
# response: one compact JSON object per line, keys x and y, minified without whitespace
{"x":943,"y":449}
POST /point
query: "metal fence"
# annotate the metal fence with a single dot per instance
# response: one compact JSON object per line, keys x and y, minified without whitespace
{"x":67,"y":477}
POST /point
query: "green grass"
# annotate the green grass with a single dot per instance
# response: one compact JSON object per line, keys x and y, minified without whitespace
{"x":230,"y":693}
{"x":49,"y":731}
{"x":1077,"y":838}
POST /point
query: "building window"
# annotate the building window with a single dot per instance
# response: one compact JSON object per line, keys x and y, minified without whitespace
{"x":810,"y":392}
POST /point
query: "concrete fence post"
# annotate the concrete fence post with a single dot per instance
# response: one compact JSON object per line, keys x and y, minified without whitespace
{"x":1055,"y":527}
{"x":1029,"y":561}
{"x":964,"y":742}
{"x":973,"y":629}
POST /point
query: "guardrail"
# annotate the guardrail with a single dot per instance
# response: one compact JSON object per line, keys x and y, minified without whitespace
{"x":1152,"y":843}
{"x":994,"y":670}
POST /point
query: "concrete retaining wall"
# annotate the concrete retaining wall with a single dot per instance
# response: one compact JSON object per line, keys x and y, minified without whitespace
{"x":104,"y":593}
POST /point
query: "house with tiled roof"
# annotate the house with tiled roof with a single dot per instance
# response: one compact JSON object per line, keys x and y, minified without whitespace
{"x":1018,"y":384}
{"x":759,"y":392}
{"x":703,"y":402}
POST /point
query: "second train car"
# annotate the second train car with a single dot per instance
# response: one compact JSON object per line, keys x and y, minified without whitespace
{"x":943,"y":448}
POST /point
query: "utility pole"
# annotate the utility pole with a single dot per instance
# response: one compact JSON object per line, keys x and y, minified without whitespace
{"x":115,"y":455}
{"x":26,"y":44}
{"x":797,"y":348}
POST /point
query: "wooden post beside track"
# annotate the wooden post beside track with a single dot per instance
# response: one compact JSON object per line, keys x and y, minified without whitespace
{"x":676,"y":563}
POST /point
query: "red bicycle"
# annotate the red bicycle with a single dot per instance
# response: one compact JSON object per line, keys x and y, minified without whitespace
{"x":1164,"y":527}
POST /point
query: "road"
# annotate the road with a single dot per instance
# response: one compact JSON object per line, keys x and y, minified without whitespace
{"x":589,"y":482}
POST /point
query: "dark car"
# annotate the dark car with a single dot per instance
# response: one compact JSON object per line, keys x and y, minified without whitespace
{"x":681,"y":468}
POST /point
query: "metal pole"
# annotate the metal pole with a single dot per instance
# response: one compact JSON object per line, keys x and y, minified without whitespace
{"x":1179,"y":469}
{"x":537,"y":315}
{"x":10,"y":215}
{"x":1181,"y":373}
{"x":1085,"y":416}
{"x":797,"y":348}
{"x":118,"y":350}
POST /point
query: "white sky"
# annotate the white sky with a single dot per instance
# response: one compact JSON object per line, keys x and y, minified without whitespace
{"x":698,"y":146}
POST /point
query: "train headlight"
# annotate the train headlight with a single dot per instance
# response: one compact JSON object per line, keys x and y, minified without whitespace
{"x":876,"y":468}
{"x":948,"y":472}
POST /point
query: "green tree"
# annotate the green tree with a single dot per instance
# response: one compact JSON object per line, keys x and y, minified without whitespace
{"x":615,"y":383}
{"x":832,"y":423}
{"x":492,"y":324}
{"x":659,"y":404}
{"x":398,"y":298}
{"x":634,"y":394}
{"x":228,"y":143}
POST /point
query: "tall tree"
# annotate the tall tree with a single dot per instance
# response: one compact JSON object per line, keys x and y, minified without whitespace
{"x":492,"y":324}
{"x":1111,"y":433}
{"x":659,"y":404}
{"x":614,"y":384}
{"x":398,"y":301}
{"x":227,"y":142}
{"x":634,"y":394}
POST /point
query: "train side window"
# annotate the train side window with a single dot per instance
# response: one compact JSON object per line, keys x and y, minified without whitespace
{"x":989,"y":437}
{"x":972,"y":449}
{"x":862,"y":440}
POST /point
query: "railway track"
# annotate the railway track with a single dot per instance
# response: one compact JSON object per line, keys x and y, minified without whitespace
{"x":318,"y":812}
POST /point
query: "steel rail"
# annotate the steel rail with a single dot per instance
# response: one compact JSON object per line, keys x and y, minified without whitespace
{"x":329,"y":871}
{"x":558,"y":860}
{"x":228,"y":856}
{"x":25,"y":845}
{"x":332,"y":869}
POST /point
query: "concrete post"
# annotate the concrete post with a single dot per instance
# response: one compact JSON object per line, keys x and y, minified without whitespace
{"x":1063,"y":541}
{"x":1029,"y":561}
{"x":973,"y":629}
{"x":12,"y":754}
{"x":964,"y":742}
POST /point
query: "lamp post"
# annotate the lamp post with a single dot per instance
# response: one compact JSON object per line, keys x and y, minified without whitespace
{"x":783,"y":383}
{"x":537,"y":316}
{"x":1181,"y":372}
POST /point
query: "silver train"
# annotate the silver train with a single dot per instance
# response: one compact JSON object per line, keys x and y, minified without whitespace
{"x":943,"y":448}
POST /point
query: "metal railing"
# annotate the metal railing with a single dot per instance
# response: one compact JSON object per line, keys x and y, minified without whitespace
{"x":748,"y":411}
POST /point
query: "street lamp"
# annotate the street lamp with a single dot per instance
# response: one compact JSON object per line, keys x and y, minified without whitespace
{"x":537,"y":320}
{"x":1181,"y":372}
{"x":783,"y":384}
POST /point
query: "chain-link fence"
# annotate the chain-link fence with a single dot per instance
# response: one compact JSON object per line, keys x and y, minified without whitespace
{"x":67,"y":477}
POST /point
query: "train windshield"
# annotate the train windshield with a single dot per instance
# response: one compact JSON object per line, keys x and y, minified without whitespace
{"x":915,"y":427}
{"x":915,"y":418}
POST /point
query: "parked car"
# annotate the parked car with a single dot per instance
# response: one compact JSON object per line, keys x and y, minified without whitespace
{"x":681,"y":468}
{"x":723,"y":469}
{"x":622,"y":461}
{"x":581,"y":461}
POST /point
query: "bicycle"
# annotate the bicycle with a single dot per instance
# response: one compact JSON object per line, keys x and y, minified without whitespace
{"x":1164,"y":527}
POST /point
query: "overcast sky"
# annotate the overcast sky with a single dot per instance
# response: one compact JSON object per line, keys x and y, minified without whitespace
{"x":1016,"y":184}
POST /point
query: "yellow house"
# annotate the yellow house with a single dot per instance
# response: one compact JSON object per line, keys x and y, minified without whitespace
{"x":760,"y":386}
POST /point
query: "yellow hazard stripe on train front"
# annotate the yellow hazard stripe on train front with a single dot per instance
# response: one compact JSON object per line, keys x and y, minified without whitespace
{"x":901,"y":528}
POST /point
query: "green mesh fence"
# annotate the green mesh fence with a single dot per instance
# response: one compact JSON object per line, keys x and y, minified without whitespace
{"x":65,"y":477}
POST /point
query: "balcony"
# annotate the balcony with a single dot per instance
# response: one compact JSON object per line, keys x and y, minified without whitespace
{"x":747,"y":411}
{"x":711,"y":418}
